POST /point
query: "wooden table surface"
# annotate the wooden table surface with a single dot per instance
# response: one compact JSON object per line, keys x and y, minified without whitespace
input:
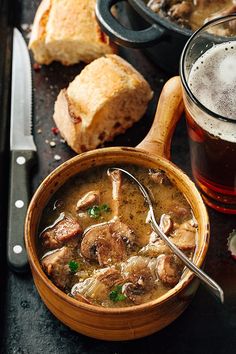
{"x":26,"y":324}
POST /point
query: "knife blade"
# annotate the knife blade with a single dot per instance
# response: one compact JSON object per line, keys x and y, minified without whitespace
{"x":22,"y":150}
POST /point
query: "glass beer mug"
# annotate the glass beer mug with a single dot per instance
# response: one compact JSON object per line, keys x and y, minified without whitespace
{"x":208,"y":75}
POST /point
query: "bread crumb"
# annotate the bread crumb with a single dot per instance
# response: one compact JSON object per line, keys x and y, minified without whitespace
{"x":52,"y":143}
{"x":57,"y":157}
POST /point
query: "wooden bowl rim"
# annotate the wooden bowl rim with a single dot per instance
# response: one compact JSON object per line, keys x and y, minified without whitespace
{"x":188,"y":275}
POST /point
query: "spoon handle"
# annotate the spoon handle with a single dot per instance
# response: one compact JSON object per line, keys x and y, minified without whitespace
{"x":205,"y":279}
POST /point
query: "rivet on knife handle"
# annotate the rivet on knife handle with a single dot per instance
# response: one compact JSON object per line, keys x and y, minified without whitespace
{"x":21,"y":163}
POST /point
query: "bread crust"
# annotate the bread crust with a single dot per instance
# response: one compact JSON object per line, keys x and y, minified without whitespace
{"x":96,"y":107}
{"x":69,"y":129}
{"x":38,"y":33}
{"x":67,"y":31}
{"x":38,"y":29}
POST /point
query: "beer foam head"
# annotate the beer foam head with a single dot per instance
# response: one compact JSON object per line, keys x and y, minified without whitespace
{"x":212,"y":80}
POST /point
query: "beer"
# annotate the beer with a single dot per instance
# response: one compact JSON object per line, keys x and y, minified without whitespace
{"x":212,"y":80}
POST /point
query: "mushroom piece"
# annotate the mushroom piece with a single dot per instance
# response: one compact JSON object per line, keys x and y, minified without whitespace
{"x":122,"y":230}
{"x":97,"y":287}
{"x":107,"y":242}
{"x":63,"y":230}
{"x":134,"y":292}
{"x":166,"y":225}
{"x":168,"y":269}
{"x":87,"y":200}
{"x":184,"y":237}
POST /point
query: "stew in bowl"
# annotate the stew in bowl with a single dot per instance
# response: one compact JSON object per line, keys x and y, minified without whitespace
{"x":95,"y":240}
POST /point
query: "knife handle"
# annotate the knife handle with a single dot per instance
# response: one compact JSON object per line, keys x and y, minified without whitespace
{"x":19,"y":194}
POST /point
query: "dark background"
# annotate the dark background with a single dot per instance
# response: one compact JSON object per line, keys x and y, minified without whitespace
{"x":26,"y":324}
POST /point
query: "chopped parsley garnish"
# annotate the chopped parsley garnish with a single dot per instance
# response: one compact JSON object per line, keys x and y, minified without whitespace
{"x":96,"y":210}
{"x":116,"y":294}
{"x":74,"y":266}
{"x":105,"y":208}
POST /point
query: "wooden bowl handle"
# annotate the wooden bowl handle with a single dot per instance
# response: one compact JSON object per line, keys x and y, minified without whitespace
{"x":169,"y":110}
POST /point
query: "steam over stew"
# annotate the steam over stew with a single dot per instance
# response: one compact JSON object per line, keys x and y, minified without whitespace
{"x":95,"y":242}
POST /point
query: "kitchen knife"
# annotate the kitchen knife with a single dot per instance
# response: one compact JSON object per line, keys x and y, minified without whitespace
{"x":23,"y":152}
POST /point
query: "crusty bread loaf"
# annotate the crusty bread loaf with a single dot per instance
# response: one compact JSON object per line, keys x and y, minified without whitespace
{"x":106,"y":98}
{"x":67,"y":31}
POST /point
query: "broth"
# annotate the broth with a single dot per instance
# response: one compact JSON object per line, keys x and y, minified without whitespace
{"x":120,"y":262}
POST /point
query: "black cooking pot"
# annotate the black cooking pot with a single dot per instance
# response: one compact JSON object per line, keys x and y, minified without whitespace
{"x":161,"y":39}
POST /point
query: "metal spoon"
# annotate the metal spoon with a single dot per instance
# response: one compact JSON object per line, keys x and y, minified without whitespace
{"x":204,"y":278}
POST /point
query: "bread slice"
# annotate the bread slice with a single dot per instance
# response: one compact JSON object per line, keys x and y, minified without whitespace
{"x":106,"y":98}
{"x":67,"y":31}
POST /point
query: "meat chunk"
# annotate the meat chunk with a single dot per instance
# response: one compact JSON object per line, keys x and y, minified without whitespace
{"x":107,"y":242}
{"x":168,"y":269}
{"x":110,"y":277}
{"x":97,"y":287}
{"x":122,"y":230}
{"x":116,"y":179}
{"x":88,"y":199}
{"x":184,"y":236}
{"x":64,"y":229}
{"x":159,"y":177}
{"x":55,"y":265}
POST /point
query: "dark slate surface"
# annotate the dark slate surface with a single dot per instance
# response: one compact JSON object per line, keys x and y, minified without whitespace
{"x":28,"y":327}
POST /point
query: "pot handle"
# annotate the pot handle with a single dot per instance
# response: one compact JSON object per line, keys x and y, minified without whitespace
{"x":122,"y":35}
{"x":169,"y":110}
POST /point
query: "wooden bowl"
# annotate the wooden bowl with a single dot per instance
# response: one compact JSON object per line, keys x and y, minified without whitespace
{"x":140,"y":320}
